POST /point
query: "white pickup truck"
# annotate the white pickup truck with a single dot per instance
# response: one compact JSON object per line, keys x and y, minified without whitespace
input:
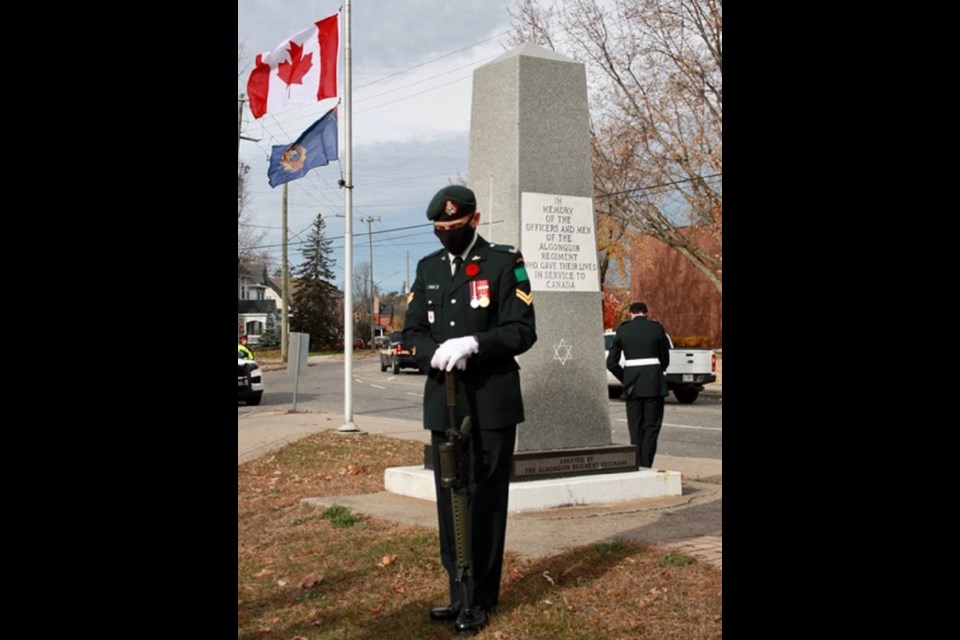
{"x":689,"y":370}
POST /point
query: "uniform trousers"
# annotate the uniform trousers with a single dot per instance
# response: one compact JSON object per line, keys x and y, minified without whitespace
{"x":491,"y":462}
{"x":644,"y":419}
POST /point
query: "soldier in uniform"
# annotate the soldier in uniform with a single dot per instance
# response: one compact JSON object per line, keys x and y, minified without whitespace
{"x":470,"y":310}
{"x":646,"y":347}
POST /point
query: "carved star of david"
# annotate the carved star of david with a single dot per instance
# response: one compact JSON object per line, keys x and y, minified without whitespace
{"x":565,"y":349}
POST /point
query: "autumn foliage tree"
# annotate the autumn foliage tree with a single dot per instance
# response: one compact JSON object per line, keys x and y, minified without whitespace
{"x":656,"y":110}
{"x":616,"y":301}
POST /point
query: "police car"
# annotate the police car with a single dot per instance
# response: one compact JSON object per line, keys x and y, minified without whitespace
{"x":249,"y":381}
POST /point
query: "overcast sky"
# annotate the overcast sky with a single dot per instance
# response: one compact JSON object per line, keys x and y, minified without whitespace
{"x":413,"y":64}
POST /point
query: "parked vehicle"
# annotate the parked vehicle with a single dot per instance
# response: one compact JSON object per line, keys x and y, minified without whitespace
{"x":689,"y":370}
{"x":358,"y":343}
{"x":249,"y":381}
{"x":396,"y":355}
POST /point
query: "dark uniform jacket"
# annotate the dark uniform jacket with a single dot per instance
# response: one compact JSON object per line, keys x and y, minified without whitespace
{"x":439,"y":308}
{"x":640,"y":338}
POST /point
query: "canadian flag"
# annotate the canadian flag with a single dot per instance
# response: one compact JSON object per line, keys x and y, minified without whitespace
{"x":302,"y":70}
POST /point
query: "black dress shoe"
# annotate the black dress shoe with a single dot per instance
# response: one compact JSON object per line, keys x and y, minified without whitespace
{"x":445,"y":614}
{"x":473,"y":623}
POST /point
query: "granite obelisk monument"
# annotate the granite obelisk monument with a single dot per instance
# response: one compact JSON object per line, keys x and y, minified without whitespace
{"x":530,"y":166}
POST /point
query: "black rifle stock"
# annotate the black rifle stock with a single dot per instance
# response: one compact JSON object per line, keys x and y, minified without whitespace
{"x":454,"y":474}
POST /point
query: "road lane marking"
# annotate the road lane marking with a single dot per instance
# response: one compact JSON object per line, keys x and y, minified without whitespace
{"x":682,"y":426}
{"x":689,"y":426}
{"x":419,"y":395}
{"x":376,"y":386}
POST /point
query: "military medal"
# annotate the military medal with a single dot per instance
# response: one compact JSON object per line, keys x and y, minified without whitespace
{"x":482,"y":291}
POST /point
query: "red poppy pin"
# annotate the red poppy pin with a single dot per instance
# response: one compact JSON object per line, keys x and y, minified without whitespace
{"x":472,"y":269}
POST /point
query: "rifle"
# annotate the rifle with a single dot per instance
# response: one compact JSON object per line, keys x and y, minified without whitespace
{"x":454,"y":474}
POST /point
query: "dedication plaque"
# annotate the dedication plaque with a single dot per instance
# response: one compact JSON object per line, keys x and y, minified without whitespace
{"x":558,"y":242}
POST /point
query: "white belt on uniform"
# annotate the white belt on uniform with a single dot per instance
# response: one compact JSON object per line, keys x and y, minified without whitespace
{"x":640,"y":362}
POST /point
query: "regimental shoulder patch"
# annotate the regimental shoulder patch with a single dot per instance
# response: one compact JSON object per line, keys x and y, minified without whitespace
{"x":520,"y":273}
{"x":526,"y":297}
{"x":410,"y":297}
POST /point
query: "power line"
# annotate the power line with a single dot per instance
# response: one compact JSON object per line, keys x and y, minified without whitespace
{"x":665,"y":184}
{"x":401,"y":88}
{"x":417,"y":66}
{"x":413,"y":95}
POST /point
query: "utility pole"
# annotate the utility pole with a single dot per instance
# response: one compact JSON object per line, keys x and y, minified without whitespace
{"x":369,"y":220}
{"x":239,"y":123}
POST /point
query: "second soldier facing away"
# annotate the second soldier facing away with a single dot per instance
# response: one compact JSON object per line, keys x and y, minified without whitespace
{"x":646,"y":348}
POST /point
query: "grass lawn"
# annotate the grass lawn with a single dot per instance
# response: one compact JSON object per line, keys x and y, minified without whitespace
{"x":306,"y":573}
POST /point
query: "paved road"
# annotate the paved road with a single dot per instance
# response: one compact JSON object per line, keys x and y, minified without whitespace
{"x":694,"y":430}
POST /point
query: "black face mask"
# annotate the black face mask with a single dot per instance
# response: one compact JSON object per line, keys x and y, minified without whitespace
{"x":456,"y":240}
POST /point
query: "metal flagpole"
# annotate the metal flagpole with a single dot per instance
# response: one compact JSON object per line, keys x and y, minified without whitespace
{"x":348,"y":425}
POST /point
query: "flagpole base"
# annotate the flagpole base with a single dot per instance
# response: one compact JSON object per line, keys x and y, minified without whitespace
{"x":350,"y":428}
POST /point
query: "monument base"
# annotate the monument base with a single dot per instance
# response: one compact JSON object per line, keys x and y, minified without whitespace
{"x":606,"y":488}
{"x":566,"y":463}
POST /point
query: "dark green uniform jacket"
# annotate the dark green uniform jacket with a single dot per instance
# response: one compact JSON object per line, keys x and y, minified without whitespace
{"x":640,"y":338}
{"x":502,"y":319}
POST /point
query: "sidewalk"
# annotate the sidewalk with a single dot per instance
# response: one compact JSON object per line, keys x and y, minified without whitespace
{"x":691,"y":523}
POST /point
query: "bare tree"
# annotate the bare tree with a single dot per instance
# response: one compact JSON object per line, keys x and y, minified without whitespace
{"x":249,"y":236}
{"x":656,"y":91}
{"x":242,"y":61}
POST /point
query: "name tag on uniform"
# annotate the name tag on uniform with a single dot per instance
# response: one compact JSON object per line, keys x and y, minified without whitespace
{"x":433,"y":287}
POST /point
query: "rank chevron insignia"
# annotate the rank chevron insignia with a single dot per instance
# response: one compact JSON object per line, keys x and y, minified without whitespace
{"x":526,"y":297}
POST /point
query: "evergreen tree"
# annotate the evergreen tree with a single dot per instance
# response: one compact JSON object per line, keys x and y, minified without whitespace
{"x":314,"y":298}
{"x":270,"y":338}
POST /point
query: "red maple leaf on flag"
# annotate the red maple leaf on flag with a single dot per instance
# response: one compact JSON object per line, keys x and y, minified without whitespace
{"x":292,"y":72}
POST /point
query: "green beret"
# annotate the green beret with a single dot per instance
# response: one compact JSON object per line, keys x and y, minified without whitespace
{"x":451,"y":203}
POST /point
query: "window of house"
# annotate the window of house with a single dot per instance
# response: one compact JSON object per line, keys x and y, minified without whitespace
{"x":243,"y":291}
{"x":254,"y":328}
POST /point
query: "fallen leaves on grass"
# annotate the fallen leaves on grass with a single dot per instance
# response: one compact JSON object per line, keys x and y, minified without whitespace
{"x":310,"y":581}
{"x":614,"y":590}
{"x":388,"y":559}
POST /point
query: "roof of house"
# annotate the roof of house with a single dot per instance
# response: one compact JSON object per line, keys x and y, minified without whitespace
{"x":256,"y":306}
{"x":256,"y":271}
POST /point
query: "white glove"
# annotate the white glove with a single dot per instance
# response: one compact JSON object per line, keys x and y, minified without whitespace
{"x":452,"y":351}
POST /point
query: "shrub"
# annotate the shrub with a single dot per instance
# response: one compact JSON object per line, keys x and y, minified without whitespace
{"x":691,"y":342}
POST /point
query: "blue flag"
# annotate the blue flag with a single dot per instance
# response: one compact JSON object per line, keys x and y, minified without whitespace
{"x":315,"y":147}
